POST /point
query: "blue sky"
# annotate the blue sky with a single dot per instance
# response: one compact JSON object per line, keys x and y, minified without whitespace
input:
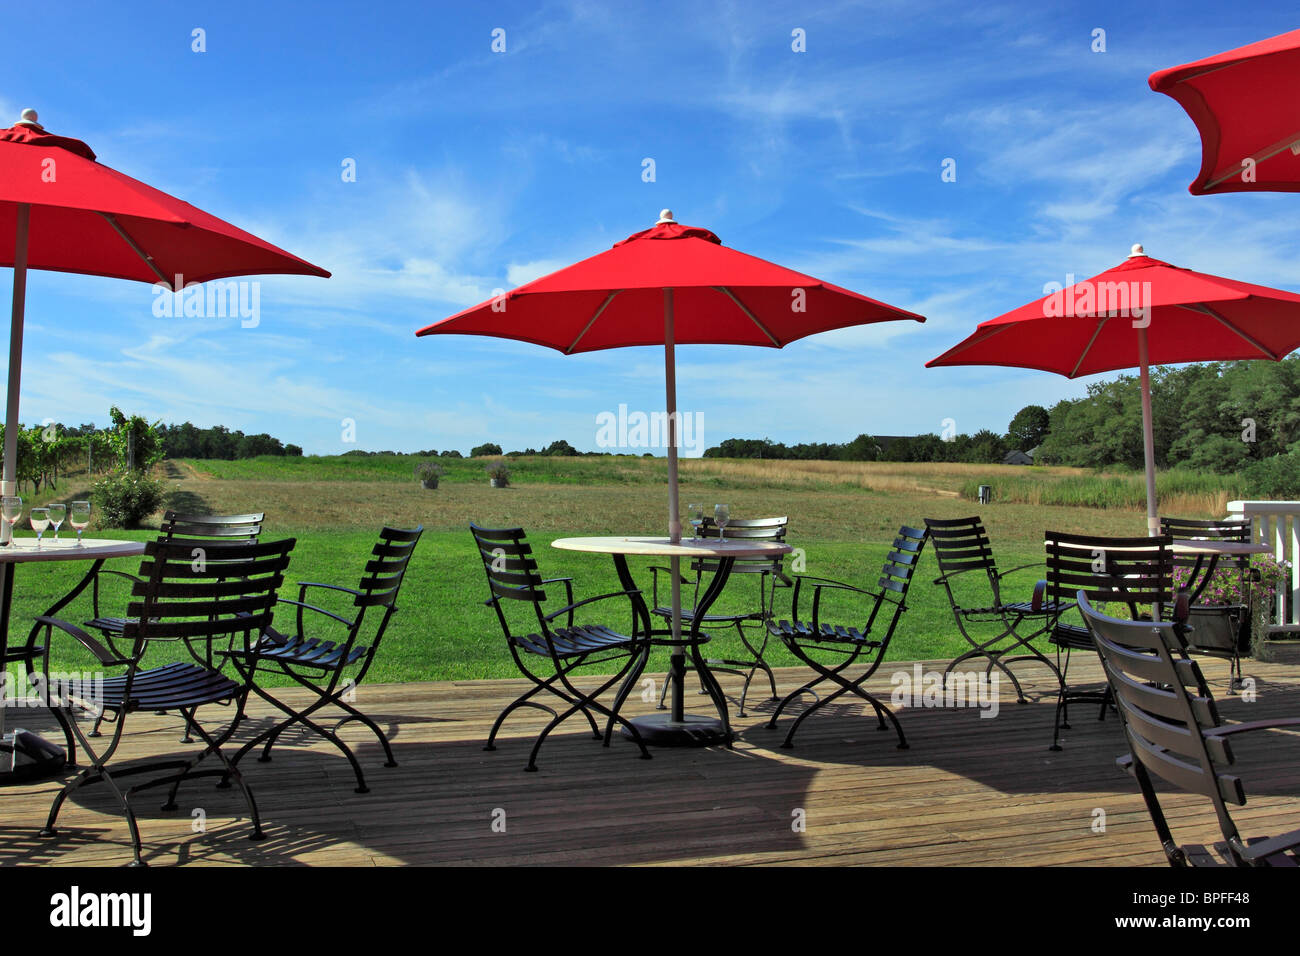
{"x":477,"y":170}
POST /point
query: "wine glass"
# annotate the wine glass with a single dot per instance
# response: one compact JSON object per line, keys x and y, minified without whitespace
{"x":80,"y":518}
{"x":40,"y":518}
{"x":57,"y":514}
{"x":11,"y":508}
{"x":696,"y":513}
{"x":721,"y":515}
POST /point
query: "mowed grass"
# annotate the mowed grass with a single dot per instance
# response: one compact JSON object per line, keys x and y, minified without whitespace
{"x":335,"y":507}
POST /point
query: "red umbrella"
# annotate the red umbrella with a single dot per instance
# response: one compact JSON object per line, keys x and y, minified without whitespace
{"x":1242,"y":102}
{"x":669,"y":285}
{"x":1142,"y":311}
{"x":62,"y":211}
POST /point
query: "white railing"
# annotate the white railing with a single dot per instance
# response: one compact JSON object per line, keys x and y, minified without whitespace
{"x":1277,"y":524}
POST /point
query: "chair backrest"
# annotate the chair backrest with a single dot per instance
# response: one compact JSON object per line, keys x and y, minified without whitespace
{"x":180,"y":525}
{"x":382,"y":576}
{"x":962,"y":544}
{"x":900,"y":564}
{"x":511,"y":570}
{"x":1225,"y":529}
{"x":231,"y":589}
{"x":1138,"y":572}
{"x":746,"y":529}
{"x":1166,"y":710}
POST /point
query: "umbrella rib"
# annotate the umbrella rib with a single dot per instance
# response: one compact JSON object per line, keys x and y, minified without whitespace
{"x":608,"y":299}
{"x":1227,"y":323}
{"x":147,"y":259}
{"x":753,"y":318}
{"x":1268,"y":152}
{"x":1088,"y":348}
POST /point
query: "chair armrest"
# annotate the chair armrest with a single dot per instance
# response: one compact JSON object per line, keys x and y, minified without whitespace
{"x":105,"y":657}
{"x":1023,"y":567}
{"x":304,"y":585}
{"x":1265,"y":848}
{"x":591,"y":600}
{"x":945,"y":578}
{"x":1253,"y":725}
{"x":1040,"y":592}
{"x":655,"y":569}
{"x":318,"y":610}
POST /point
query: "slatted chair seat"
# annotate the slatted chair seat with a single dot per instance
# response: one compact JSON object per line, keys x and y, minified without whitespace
{"x":825,"y":632}
{"x":1073,"y":636}
{"x":808,"y":639}
{"x":962,"y":547}
{"x":330,"y":669}
{"x":167,"y":688}
{"x":174,"y":597}
{"x":306,"y":652}
{"x":1172,"y":726}
{"x":575,"y":641}
{"x":514,"y":581}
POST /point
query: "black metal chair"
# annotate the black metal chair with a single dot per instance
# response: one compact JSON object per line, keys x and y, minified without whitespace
{"x":200,"y":528}
{"x":512,"y":575}
{"x":175,"y":598}
{"x":850,"y":642}
{"x":1174,"y":732}
{"x":770,"y":573}
{"x":961,"y":546}
{"x":323,"y":666}
{"x":1218,"y":630}
{"x":1137,"y":572}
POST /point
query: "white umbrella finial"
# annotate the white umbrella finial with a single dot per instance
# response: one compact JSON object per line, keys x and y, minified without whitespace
{"x":1137,"y":250}
{"x":28,"y":118}
{"x":665,"y":215}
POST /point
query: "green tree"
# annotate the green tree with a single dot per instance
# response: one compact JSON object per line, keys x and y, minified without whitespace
{"x":1028,"y":429}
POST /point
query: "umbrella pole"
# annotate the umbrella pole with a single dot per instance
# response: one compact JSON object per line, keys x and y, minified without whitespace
{"x":677,"y":673}
{"x":10,"y":481}
{"x":1148,"y":436}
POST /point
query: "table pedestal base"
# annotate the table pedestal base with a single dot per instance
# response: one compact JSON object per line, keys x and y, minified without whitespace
{"x":24,"y":757}
{"x":660,"y":730}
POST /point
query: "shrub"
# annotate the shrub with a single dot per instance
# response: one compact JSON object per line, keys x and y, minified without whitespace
{"x":124,"y":499}
{"x":429,"y":472}
{"x":499,"y":472}
{"x":1277,"y":477}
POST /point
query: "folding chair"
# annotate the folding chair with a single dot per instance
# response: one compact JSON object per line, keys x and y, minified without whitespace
{"x":770,"y":574}
{"x":322,"y":666}
{"x":962,"y":545}
{"x":851,"y":643}
{"x":512,"y":575}
{"x":1137,"y":572}
{"x":1218,"y":630}
{"x":1174,"y":732}
{"x":176,"y":598}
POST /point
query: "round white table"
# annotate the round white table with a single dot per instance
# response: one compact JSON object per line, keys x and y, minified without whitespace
{"x":23,"y":755}
{"x":678,"y":728}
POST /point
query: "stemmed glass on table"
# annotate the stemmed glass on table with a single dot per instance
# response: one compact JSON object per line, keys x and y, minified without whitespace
{"x":80,"y":518}
{"x":11,"y":509}
{"x":721,"y":515}
{"x":696,"y":513}
{"x":57,"y":514}
{"x":40,"y":518}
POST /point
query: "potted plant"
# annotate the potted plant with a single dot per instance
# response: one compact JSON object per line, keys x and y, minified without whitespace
{"x":429,"y":472}
{"x":1267,"y":575}
{"x":499,"y":473}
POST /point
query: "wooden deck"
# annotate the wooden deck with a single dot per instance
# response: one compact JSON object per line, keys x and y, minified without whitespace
{"x":971,"y":791}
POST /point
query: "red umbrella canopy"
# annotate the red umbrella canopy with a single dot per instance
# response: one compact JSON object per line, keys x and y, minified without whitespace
{"x":1243,"y":103}
{"x":88,"y":218}
{"x":720,"y":296}
{"x":1092,"y":326}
